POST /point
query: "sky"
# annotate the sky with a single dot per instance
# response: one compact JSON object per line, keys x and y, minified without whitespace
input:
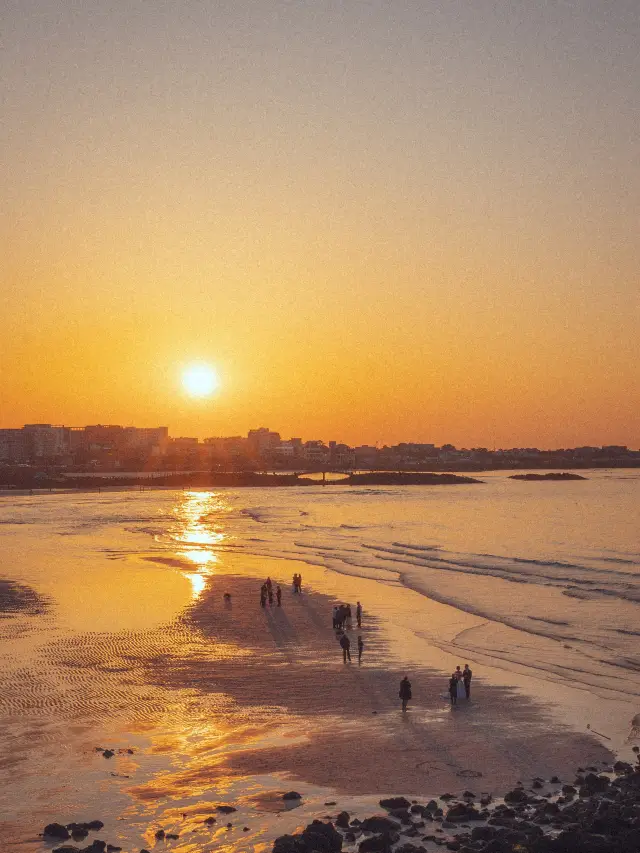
{"x":380,"y":220}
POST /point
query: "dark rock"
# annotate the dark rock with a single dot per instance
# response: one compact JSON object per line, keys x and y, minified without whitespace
{"x":576,"y":841}
{"x":555,"y":780}
{"x":56,"y":830}
{"x":462,"y":811}
{"x":66,"y":848}
{"x":349,"y":837}
{"x":568,"y":789}
{"x":160,"y":833}
{"x":78,"y":833}
{"x":108,"y":753}
{"x":229,"y":826}
{"x":594,"y":784}
{"x":516,"y":796}
{"x":469,"y":795}
{"x":402,"y":815}
{"x":331,"y":803}
{"x":377,"y":823}
{"x":629,"y":841}
{"x":322,"y":837}
{"x":453,"y":845}
{"x":226,"y":809}
{"x":291,"y":795}
{"x":431,"y":806}
{"x":446,"y":797}
{"x":376,"y":844}
{"x":112,"y":848}
{"x":485,"y":799}
{"x":96,"y":846}
{"x":245,"y":829}
{"x":171,"y":835}
{"x":483,"y":833}
{"x":537,"y":784}
{"x":410,"y":848}
{"x":343,"y":820}
{"x":395,"y":803}
{"x":288,"y":844}
{"x":209,"y":819}
{"x":622,"y":767}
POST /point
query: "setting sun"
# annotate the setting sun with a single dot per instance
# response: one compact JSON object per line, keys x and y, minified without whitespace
{"x":200,"y":380}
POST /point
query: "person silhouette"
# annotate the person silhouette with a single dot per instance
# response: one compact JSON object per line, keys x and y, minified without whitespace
{"x":405,"y":692}
{"x":345,"y":642}
{"x":466,"y":677}
{"x":453,"y":689}
{"x":360,"y":648}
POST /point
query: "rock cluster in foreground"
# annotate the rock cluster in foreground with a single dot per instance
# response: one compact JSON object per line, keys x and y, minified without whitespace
{"x":597,"y":813}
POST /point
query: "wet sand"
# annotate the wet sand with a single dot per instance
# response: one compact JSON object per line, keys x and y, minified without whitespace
{"x":233,"y":703}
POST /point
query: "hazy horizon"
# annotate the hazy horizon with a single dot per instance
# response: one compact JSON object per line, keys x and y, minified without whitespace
{"x":382,"y":221}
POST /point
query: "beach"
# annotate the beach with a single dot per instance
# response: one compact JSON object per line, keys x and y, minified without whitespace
{"x":117,"y":636}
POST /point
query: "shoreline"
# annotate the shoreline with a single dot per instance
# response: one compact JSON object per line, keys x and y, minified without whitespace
{"x":237,"y":706}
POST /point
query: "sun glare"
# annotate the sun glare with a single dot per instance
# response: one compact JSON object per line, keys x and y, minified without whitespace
{"x":200,"y":380}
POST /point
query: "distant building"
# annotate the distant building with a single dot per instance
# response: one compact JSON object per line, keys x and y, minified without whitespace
{"x":316,"y":452}
{"x":44,"y":441}
{"x":262,"y":441}
{"x":13,"y":447}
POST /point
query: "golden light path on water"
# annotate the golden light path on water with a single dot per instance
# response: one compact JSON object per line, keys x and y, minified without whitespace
{"x":196,"y":530}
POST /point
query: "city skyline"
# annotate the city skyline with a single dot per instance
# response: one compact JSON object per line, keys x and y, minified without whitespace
{"x":258,"y":439}
{"x":411,"y":221}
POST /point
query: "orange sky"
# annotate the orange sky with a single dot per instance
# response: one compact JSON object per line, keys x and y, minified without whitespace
{"x":400,"y":222}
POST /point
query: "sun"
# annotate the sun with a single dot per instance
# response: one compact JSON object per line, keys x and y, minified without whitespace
{"x":200,"y":380}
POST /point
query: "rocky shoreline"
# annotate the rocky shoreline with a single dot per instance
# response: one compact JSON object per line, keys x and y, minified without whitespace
{"x":560,"y":475}
{"x":598,"y":812}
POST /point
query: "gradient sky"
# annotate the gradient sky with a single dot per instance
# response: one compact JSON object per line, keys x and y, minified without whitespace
{"x":380,"y":221}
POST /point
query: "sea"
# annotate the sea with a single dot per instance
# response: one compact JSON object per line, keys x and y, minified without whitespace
{"x":536,"y":583}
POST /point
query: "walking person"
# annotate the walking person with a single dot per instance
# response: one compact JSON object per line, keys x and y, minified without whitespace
{"x":460,"y":680}
{"x":405,"y":692}
{"x":453,"y":689}
{"x":345,"y":642}
{"x":263,"y":597}
{"x":359,"y":614}
{"x":279,"y":595}
{"x":270,"y":594}
{"x":295,"y":583}
{"x":466,"y":677}
{"x":299,"y":582}
{"x":360,"y":648}
{"x":348,"y":617}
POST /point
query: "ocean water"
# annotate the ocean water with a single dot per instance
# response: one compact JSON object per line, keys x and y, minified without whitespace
{"x":536,"y":583}
{"x":556,"y":562}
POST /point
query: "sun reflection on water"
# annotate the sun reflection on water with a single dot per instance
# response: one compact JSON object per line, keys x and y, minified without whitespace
{"x":199,"y":523}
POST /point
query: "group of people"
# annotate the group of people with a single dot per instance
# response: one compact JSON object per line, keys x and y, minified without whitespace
{"x":345,"y":644}
{"x":460,"y":684}
{"x":342,"y":617}
{"x":342,"y":622}
{"x":267,"y":591}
